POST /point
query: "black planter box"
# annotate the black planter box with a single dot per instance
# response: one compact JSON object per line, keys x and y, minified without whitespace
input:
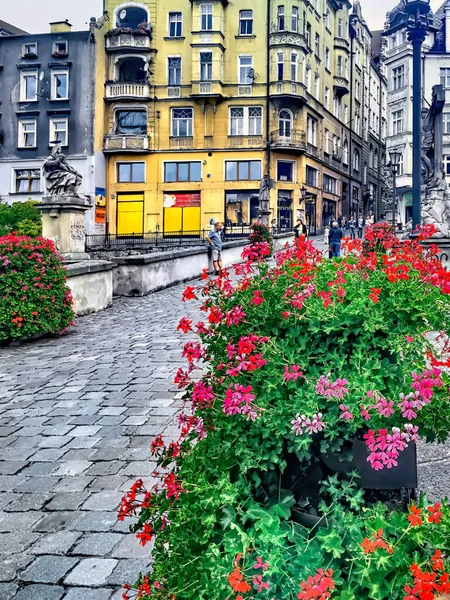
{"x":402,"y":476}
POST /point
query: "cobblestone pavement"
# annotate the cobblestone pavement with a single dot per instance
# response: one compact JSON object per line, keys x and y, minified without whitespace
{"x":77,"y":416}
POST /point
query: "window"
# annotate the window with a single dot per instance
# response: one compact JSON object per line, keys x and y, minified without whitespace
{"x":326,"y":147}
{"x":329,"y":185}
{"x":295,"y":20}
{"x":446,"y":123}
{"x":28,"y":85}
{"x":182,"y":171}
{"x":280,"y":66}
{"x":327,"y":97}
{"x":317,"y":86}
{"x":397,"y":122}
{"x":182,"y":122}
{"x":206,"y":17}
{"x":317,"y":45}
{"x":281,"y":21}
{"x":337,"y":107}
{"x":311,"y":127}
{"x":327,"y":58}
{"x":245,"y":69}
{"x":358,"y":90}
{"x":308,"y":78}
{"x":356,"y":159}
{"x":174,"y":70}
{"x":175,"y":24}
{"x":312,"y":176}
{"x":398,"y":77}
{"x":294,"y":66}
{"x":246,"y":120}
{"x":60,"y":85}
{"x":246,"y":22}
{"x":59,"y":131}
{"x":346,"y":115}
{"x":308,"y":35}
{"x":340,"y":70}
{"x":131,"y":122}
{"x":345,"y":153}
{"x":27,"y":133}
{"x":340,"y":28}
{"x":335,"y":145}
{"x":445,"y":77}
{"x":327,"y":19}
{"x":242,"y":170}
{"x":29,"y":50}
{"x":285,"y":123}
{"x":206,"y":64}
{"x":60,"y":49}
{"x":447,"y":164}
{"x":285,"y":171}
{"x":27,"y":180}
{"x":133,"y":172}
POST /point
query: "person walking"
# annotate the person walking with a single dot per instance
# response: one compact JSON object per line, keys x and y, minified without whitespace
{"x":215,"y":240}
{"x":300,"y":229}
{"x":353,"y":226}
{"x":335,"y":238}
{"x":326,"y":235}
{"x":360,"y":227}
{"x":343,"y":226}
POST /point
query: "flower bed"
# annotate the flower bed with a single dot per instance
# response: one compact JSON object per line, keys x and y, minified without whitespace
{"x":34,"y":297}
{"x":305,"y":360}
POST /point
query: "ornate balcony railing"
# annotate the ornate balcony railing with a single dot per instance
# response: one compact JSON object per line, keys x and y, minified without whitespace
{"x":122,"y":39}
{"x":127,"y":90}
{"x":294,"y":141}
{"x":126,"y":143}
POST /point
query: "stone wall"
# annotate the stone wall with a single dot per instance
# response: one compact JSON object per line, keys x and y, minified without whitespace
{"x":91,"y":283}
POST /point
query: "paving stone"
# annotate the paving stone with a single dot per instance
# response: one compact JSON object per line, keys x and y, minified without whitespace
{"x":48,"y":569}
{"x":49,"y":454}
{"x":13,"y":522}
{"x":26,"y":502}
{"x":84,"y":430}
{"x":103,"y":501}
{"x":56,"y":543}
{"x":67,"y":500}
{"x":127,"y":571}
{"x":109,"y":482}
{"x":12,"y":467}
{"x":56,"y":521}
{"x":53,"y":442}
{"x":95,"y":521}
{"x":40,"y":592}
{"x":72,"y":484}
{"x":97,"y":544}
{"x":105,"y":468}
{"x":72,"y":468}
{"x":14,"y":543}
{"x":10,"y":566}
{"x":91,"y":571}
{"x":128,"y":547}
{"x":87,"y":594}
{"x":7,"y":591}
{"x":17,"y":454}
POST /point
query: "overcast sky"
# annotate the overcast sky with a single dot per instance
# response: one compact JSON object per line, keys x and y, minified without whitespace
{"x":34,"y":15}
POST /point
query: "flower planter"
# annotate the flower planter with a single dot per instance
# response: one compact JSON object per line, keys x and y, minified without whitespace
{"x":307,"y":520}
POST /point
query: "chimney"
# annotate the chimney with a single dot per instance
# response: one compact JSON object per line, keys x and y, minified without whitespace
{"x":447,"y":26}
{"x":60,"y":27}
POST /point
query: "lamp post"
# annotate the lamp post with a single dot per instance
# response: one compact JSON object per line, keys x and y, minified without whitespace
{"x":418,"y":22}
{"x":394,"y":164}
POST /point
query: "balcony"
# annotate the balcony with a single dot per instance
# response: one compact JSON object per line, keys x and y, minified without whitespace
{"x":240,"y":141}
{"x":207,"y":90}
{"x":288,"y":38}
{"x":293,"y":143}
{"x":126,"y":143}
{"x":128,"y":39}
{"x":341,"y":86}
{"x":341,"y":44}
{"x":118,"y":91}
{"x":289,"y":90}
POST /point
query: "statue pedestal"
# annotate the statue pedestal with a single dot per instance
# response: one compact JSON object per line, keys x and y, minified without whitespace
{"x":63,"y":222}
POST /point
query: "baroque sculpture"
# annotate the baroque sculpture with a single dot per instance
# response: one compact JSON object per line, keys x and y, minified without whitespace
{"x":264,"y":199}
{"x":61,"y":179}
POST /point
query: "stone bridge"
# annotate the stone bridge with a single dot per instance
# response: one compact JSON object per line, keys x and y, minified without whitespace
{"x":78,"y":414}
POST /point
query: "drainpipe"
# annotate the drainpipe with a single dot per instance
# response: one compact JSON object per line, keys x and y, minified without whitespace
{"x":269,"y":14}
{"x":352,"y":120}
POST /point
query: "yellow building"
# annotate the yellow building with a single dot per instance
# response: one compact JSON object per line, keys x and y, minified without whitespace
{"x":202,"y":98}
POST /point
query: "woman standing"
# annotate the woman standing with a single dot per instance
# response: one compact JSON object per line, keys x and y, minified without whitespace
{"x":335,"y":237}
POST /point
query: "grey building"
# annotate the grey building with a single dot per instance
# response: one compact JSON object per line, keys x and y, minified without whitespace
{"x":47,"y":94}
{"x":6,"y":29}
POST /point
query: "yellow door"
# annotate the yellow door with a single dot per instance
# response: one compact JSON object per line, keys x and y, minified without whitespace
{"x":130,"y":214}
{"x":173,"y":219}
{"x":191,"y":218}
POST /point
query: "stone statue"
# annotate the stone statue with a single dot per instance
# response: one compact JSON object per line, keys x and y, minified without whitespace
{"x":432,"y":132}
{"x":61,"y":179}
{"x":264,"y":199}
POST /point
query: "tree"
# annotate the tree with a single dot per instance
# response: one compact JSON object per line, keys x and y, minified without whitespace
{"x":22,"y":217}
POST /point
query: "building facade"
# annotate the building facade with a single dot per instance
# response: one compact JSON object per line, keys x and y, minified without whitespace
{"x":47,"y":94}
{"x":397,"y":57}
{"x":201,"y":99}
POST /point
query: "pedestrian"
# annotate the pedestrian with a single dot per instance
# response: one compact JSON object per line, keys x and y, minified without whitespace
{"x":353,"y":226}
{"x":340,"y":220}
{"x":335,"y":237}
{"x":274,"y":226}
{"x":215,"y":239}
{"x":300,"y":229}
{"x":212,"y":224}
{"x":360,"y":227}
{"x":343,"y":226}
{"x":326,"y":235}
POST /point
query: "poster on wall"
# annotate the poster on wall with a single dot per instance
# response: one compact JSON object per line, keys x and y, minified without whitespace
{"x":182,"y":200}
{"x":100,"y":205}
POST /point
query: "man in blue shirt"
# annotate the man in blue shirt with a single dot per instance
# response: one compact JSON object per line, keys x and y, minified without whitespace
{"x":215,"y":239}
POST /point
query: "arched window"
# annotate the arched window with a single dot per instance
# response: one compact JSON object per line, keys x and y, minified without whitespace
{"x":345,"y":153}
{"x":132,"y":17}
{"x":356,"y":160}
{"x":285,"y":123}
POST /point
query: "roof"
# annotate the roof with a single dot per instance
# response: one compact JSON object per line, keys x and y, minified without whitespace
{"x":439,"y":22}
{"x":11,"y":29}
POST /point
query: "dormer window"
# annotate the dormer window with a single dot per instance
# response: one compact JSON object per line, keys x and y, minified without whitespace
{"x":29,"y":50}
{"x":60,"y":49}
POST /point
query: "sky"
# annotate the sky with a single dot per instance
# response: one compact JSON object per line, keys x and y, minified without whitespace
{"x":35,"y":15}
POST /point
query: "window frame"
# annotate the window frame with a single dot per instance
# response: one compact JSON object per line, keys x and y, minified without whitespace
{"x":52,"y":129}
{"x":131,"y":163}
{"x":177,"y":164}
{"x":21,"y":133}
{"x":293,"y":165}
{"x":238,"y":164}
{"x":295,"y":19}
{"x":248,"y":81}
{"x":294,"y":67}
{"x":65,"y":42}
{"x":24,"y":75}
{"x":398,"y":77}
{"x":25,"y":47}
{"x":398,"y":121}
{"x":280,"y":66}
{"x":178,"y":70}
{"x":246,"y":121}
{"x":289,"y":119}
{"x":328,"y":179}
{"x":208,"y":64}
{"x":311,"y":139}
{"x":444,"y":73}
{"x":312,"y":170}
{"x":175,"y":23}
{"x":53,"y":76}
{"x":172,"y":122}
{"x":245,"y":23}
{"x":281,"y":18}
{"x":206,"y":15}
{"x":29,"y":179}
{"x":356,"y":160}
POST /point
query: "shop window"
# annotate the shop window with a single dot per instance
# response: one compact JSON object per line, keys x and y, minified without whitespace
{"x":242,"y":208}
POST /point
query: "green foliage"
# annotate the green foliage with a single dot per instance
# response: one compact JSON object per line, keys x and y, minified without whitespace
{"x":260,"y":233}
{"x":21,"y":217}
{"x":34,"y":297}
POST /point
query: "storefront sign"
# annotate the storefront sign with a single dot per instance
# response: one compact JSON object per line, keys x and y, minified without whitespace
{"x":100,"y":205}
{"x":182,"y":200}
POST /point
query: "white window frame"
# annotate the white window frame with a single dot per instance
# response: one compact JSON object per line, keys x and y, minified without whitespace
{"x":289,"y":120}
{"x":60,"y":42}
{"x":21,"y":132}
{"x":314,"y":170}
{"x":326,"y":141}
{"x":169,"y":58}
{"x":246,"y":119}
{"x":295,"y":19}
{"x":294,"y":67}
{"x":311,"y":130}
{"x":317,"y":86}
{"x":172,"y":129}
{"x":24,"y":74}
{"x":334,"y":181}
{"x":340,"y":27}
{"x":327,"y":58}
{"x":446,"y":123}
{"x":280,"y":66}
{"x":25,"y":50}
{"x":244,"y":80}
{"x":327,"y":97}
{"x":356,"y":159}
{"x":398,"y":77}
{"x":281,"y":17}
{"x":171,"y":14}
{"x":398,"y":117}
{"x":206,"y":10}
{"x":445,"y":77}
{"x":210,"y":75}
{"x":52,"y":130}
{"x":294,"y":170}
{"x":308,"y":78}
{"x":246,"y":20}
{"x":54,"y":74}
